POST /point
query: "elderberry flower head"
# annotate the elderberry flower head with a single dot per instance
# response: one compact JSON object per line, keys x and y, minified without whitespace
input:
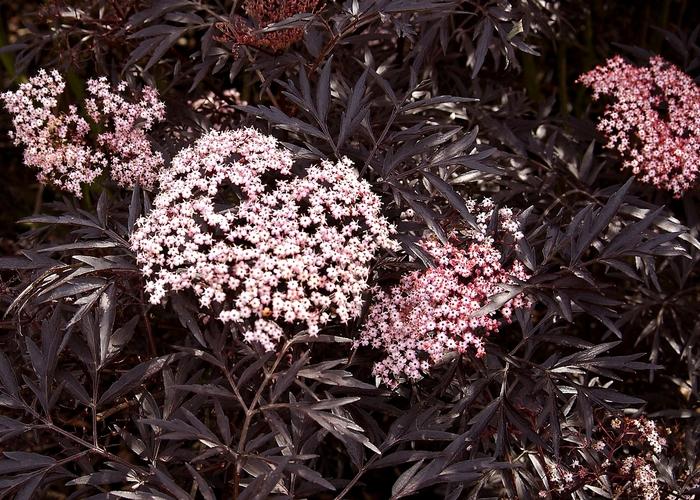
{"x":55,"y":144}
{"x":431,"y":312}
{"x":60,"y":144}
{"x":291,"y":250}
{"x":648,"y":432}
{"x":645,"y":482}
{"x":132,"y":160}
{"x":653,"y":121}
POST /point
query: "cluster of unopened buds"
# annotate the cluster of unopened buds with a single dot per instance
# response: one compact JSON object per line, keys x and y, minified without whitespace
{"x":653,"y":121}
{"x":434,"y":311}
{"x":263,"y":14}
{"x":291,"y":250}
{"x":633,"y":474}
{"x":62,"y":148}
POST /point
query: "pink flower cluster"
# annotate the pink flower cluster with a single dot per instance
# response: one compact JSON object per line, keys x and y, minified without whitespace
{"x":644,"y":479}
{"x":431,"y":312}
{"x":641,"y":433}
{"x":58,"y":143}
{"x":131,"y":158}
{"x":631,"y":475}
{"x":296,"y":249}
{"x":55,"y":143}
{"x":653,"y":120}
{"x":647,"y":431}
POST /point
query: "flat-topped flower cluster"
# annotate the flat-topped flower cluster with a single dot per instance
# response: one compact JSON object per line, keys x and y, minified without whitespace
{"x":432,"y":312}
{"x":232,"y":224}
{"x":653,"y":120}
{"x":61,"y":146}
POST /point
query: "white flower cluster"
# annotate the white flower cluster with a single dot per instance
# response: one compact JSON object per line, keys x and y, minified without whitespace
{"x":232,"y":224}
